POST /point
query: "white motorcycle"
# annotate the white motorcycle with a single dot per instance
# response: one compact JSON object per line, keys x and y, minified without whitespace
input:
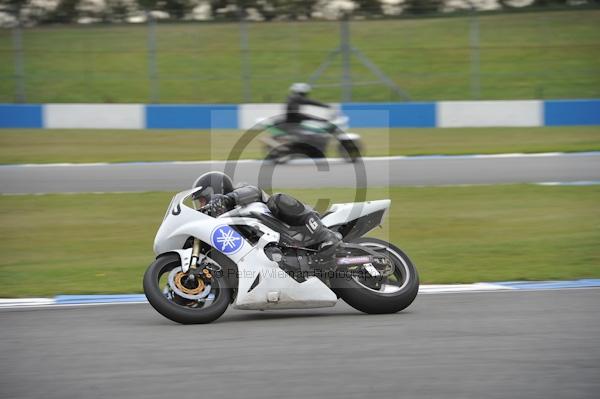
{"x":250,"y":259}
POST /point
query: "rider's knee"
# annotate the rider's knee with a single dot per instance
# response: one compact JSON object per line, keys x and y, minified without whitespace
{"x":287,"y":208}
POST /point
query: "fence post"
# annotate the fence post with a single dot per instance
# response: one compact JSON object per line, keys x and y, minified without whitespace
{"x":152,"y":68}
{"x":346,"y":52}
{"x":474,"y":46}
{"x":17,"y":39}
{"x":245,"y":58}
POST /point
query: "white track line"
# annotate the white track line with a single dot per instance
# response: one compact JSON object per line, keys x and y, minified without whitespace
{"x":549,"y":184}
{"x":312,"y":161}
{"x":427,"y":289}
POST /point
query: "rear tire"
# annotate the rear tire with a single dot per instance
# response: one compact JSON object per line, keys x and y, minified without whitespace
{"x":179,"y":313}
{"x":368,"y":300}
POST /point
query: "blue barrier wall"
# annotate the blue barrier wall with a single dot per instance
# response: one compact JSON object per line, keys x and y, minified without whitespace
{"x":362,"y":115}
{"x":571,"y":112}
{"x":398,"y":114}
{"x":191,"y":116}
{"x":21,"y":116}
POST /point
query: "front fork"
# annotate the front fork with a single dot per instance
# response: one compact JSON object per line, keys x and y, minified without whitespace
{"x":193,"y":256}
{"x":189,"y":257}
{"x":195,"y":253}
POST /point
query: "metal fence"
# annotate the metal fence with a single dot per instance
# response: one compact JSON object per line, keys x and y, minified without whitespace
{"x":523,"y":55}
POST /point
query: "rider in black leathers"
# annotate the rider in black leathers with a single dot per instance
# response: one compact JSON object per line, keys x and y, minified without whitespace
{"x":298,"y":97}
{"x":218,"y":196}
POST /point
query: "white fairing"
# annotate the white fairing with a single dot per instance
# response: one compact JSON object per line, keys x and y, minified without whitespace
{"x":341,"y":121}
{"x":276,"y":290}
{"x":348,"y":136}
{"x":344,"y":213}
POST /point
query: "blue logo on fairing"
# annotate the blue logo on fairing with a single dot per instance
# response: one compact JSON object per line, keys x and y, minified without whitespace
{"x":226,"y":239}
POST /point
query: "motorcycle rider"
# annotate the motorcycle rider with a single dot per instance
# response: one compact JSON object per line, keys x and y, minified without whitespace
{"x":299,"y":96}
{"x":218,"y":196}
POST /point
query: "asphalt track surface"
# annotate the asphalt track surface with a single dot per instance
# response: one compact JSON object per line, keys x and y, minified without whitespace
{"x":384,"y":171}
{"x":537,"y":344}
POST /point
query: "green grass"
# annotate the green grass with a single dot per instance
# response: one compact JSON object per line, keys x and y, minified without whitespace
{"x":47,"y":146}
{"x":525,"y":55}
{"x":92,"y":243}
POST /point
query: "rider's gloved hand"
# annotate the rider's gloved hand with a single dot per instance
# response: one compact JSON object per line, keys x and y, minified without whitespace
{"x":218,"y":205}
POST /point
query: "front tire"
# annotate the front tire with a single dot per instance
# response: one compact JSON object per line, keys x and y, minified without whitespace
{"x":350,"y":150}
{"x":177,"y":309}
{"x":368,"y":299}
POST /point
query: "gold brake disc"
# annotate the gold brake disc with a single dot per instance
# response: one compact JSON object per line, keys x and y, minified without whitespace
{"x":186,"y":290}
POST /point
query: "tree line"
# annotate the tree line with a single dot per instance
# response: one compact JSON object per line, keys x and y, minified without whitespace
{"x":70,"y":11}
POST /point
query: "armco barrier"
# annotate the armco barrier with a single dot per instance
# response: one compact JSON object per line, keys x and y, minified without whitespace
{"x":391,"y":114}
{"x":94,"y":116}
{"x":362,"y":115}
{"x":489,"y":113}
{"x":21,"y":116}
{"x":571,"y":112}
{"x":191,"y":116}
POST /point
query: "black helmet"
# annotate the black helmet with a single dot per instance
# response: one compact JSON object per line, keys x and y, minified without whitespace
{"x":212,"y":183}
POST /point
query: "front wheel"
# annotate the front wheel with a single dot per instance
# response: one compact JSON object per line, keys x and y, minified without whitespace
{"x":350,"y":150}
{"x":390,"y":294}
{"x":198,"y":300}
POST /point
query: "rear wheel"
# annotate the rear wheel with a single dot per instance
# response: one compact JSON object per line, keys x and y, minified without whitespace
{"x":181,"y":298}
{"x":381,"y":295}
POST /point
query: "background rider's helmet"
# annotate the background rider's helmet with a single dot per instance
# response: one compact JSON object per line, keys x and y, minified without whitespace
{"x":300,"y":88}
{"x":212,"y":183}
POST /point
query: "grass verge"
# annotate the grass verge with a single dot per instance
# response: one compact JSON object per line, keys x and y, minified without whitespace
{"x":102,"y":243}
{"x":430,"y":58}
{"x":48,"y":146}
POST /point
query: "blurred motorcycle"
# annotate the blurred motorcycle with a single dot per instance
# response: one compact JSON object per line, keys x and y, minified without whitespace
{"x":250,"y":259}
{"x":309,"y":139}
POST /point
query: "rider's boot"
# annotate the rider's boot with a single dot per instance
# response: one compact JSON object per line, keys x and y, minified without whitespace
{"x":325,"y":240}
